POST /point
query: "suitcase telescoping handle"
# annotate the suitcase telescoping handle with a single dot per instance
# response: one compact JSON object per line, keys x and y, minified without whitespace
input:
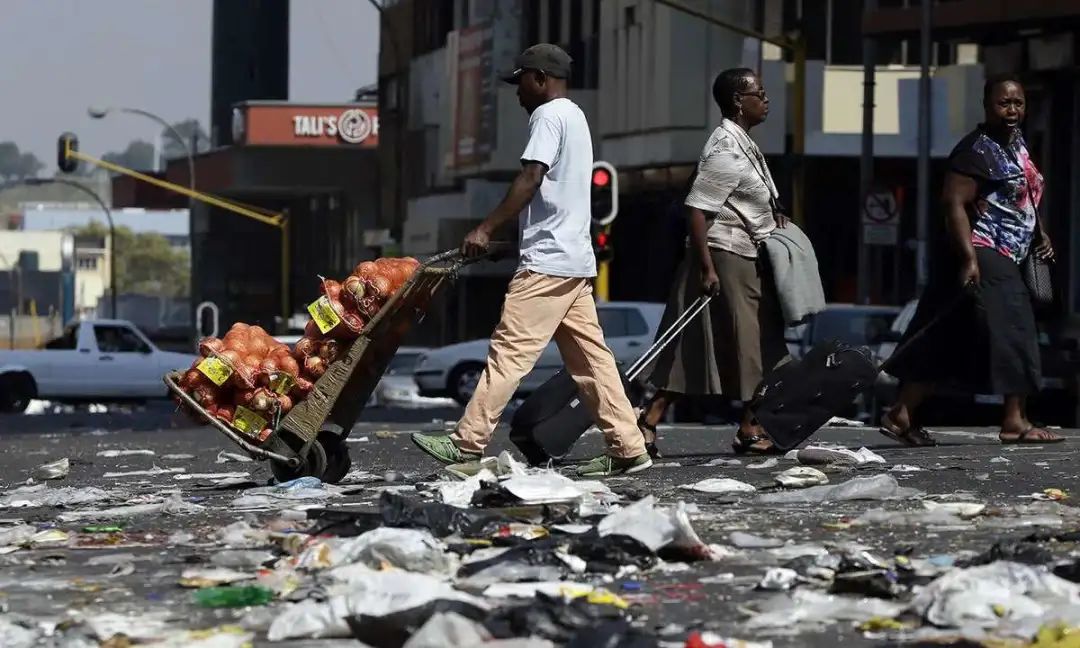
{"x":668,"y":336}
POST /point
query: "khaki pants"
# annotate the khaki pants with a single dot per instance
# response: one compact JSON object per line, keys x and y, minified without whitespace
{"x":538,"y":308}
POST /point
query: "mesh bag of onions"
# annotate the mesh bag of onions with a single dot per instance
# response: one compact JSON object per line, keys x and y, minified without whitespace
{"x":249,"y":380}
{"x":345,"y":307}
{"x":246,"y":379}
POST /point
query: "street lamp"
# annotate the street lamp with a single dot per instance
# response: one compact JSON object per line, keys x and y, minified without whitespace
{"x":101,"y":113}
{"x":37,"y":182}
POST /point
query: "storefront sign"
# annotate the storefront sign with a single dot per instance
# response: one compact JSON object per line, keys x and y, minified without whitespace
{"x":474,"y":106}
{"x":283,"y":124}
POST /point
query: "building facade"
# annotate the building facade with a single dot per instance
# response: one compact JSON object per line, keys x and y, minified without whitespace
{"x":642,"y":74}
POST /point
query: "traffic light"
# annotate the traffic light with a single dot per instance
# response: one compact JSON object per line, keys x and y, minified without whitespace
{"x":605,"y":193}
{"x":67,"y":144}
{"x":601,"y":243}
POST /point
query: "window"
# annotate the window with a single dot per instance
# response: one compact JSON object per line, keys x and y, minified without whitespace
{"x":119,"y":339}
{"x":857,"y":328}
{"x":88,"y":263}
{"x":402,"y":364}
{"x":68,"y":341}
{"x":612,"y":321}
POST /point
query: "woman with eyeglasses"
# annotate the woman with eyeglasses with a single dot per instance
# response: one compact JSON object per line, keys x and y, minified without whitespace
{"x":732,"y":207}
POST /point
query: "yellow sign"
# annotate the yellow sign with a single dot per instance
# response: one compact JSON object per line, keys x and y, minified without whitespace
{"x":282,"y":383}
{"x":323,"y":314}
{"x":248,"y":421}
{"x":216,"y":370}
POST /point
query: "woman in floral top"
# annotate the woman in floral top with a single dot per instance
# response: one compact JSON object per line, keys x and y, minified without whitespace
{"x":990,"y":343}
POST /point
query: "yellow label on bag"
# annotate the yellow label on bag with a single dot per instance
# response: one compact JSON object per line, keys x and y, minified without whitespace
{"x":248,"y":421}
{"x":215,"y":369}
{"x":323,"y":314}
{"x":282,"y":383}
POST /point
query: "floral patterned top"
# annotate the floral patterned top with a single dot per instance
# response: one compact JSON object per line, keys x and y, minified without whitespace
{"x":1009,"y":190}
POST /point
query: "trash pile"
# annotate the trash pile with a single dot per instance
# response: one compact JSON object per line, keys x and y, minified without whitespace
{"x":494,"y":553}
{"x":249,"y":380}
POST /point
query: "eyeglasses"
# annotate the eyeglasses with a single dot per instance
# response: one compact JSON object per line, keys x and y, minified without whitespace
{"x":760,"y":94}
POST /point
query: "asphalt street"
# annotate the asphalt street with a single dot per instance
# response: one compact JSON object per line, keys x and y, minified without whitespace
{"x":135,"y":572}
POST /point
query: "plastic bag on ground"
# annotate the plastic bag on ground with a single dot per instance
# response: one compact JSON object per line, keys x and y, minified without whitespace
{"x":380,"y":594}
{"x":286,"y":494}
{"x":413,"y":550}
{"x":829,"y":454}
{"x":58,"y":469}
{"x":642,"y":521}
{"x":460,"y":493}
{"x":552,"y":618}
{"x":549,"y":487}
{"x":877,"y":487}
{"x":173,"y":505}
{"x":807,"y":609}
{"x":985,"y":595}
{"x":801,"y":477}
{"x":451,"y":630}
{"x":41,"y":495}
{"x":719,"y":485}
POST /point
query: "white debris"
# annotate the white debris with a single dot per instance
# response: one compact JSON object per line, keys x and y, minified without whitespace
{"x":878,"y":487}
{"x":828,"y":454}
{"x":801,"y":477}
{"x":144,"y":473}
{"x":211,"y":476}
{"x":771,"y":462}
{"x":174,"y":505}
{"x":37,"y":495}
{"x":718,"y":485}
{"x":124,"y":453}
{"x":227,"y":457}
{"x":58,"y":469}
{"x":744,"y":540}
{"x":778,"y":579}
{"x":964,"y":510}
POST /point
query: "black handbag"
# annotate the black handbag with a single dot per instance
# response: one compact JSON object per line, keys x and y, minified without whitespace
{"x":1036,"y":273}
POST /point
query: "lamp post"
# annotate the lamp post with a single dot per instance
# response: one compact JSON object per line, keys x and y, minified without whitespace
{"x":37,"y":182}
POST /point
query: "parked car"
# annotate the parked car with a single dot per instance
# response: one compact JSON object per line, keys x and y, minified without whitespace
{"x":453,"y":371}
{"x":398,"y":388}
{"x":93,"y":361}
{"x":854,"y":324}
{"x":1056,"y":403}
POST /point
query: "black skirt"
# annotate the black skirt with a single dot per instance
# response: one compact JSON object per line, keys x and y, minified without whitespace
{"x":987,"y":344}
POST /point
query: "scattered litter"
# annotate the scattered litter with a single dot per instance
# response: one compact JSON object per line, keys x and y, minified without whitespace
{"x":125,"y":453}
{"x":144,"y":473}
{"x":233,"y":597}
{"x":362,"y":439}
{"x":58,"y":469}
{"x":963,"y":510}
{"x":905,"y":468}
{"x":286,"y":494}
{"x":718,"y":485}
{"x":1000,"y":460}
{"x":38,"y":495}
{"x":750,"y":541}
{"x":771,"y":462}
{"x":778,"y":579}
{"x":801,"y":477}
{"x":177,"y":457}
{"x":211,"y":476}
{"x":174,"y":505}
{"x":227,"y":457}
{"x":828,"y":454}
{"x":212,"y":577}
{"x":878,"y":487}
{"x":1001,"y":593}
{"x":713,"y":640}
{"x":720,"y":461}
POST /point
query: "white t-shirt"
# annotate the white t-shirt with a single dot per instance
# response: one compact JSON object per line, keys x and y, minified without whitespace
{"x":554,"y":229}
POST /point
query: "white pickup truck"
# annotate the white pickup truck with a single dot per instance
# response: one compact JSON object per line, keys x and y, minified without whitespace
{"x":95,"y":361}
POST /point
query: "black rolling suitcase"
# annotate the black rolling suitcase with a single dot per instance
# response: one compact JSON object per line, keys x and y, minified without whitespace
{"x":798,"y":398}
{"x":553,"y":417}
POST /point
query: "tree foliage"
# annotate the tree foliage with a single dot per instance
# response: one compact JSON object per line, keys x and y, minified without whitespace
{"x":139,"y":155}
{"x":16,"y":164}
{"x":145,"y":262}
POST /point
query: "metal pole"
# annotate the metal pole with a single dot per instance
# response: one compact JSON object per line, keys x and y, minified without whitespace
{"x":866,"y":161}
{"x":923,"y":196}
{"x":108,"y":216}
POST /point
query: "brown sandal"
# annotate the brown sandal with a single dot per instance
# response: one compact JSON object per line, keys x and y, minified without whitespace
{"x":1030,"y":436}
{"x":913,"y":437}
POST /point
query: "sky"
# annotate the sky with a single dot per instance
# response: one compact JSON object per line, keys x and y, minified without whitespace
{"x":63,"y":56}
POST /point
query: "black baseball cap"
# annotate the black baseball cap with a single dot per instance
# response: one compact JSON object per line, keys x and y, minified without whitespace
{"x":549,"y":59}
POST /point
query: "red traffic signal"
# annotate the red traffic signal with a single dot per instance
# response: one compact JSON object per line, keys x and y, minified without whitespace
{"x":605,"y":193}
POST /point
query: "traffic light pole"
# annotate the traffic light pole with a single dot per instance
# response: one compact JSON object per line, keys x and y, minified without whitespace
{"x":68,"y":150}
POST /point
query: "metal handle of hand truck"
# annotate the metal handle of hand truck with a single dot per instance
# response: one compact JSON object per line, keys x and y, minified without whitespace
{"x":670,"y":334}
